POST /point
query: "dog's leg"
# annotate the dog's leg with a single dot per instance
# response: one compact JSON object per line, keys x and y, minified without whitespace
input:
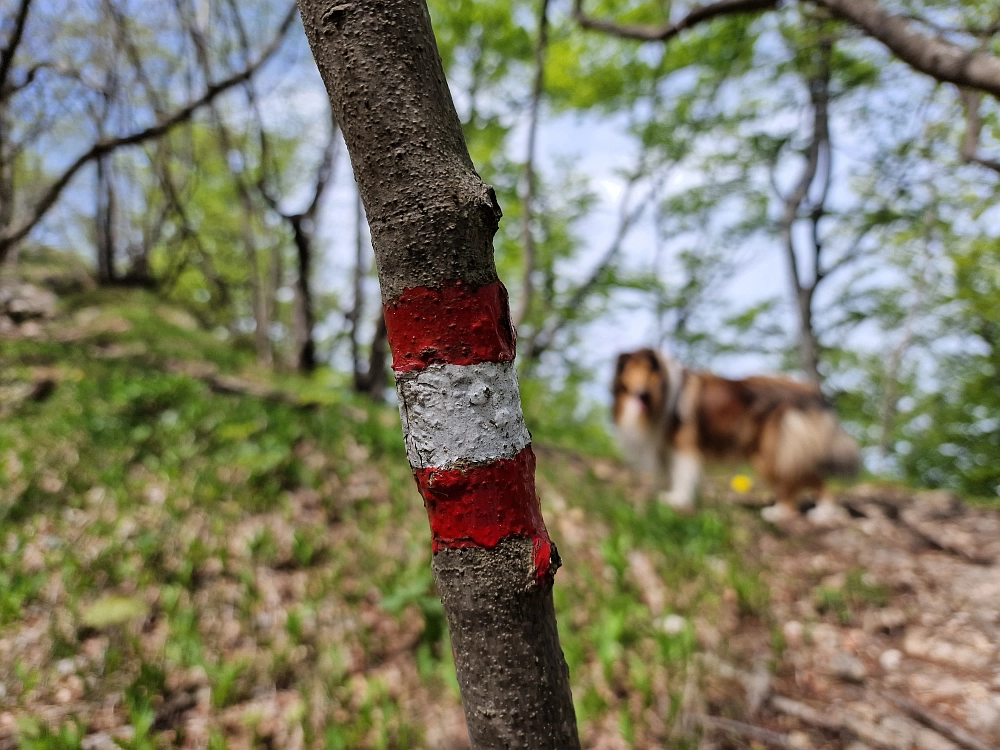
{"x":828,"y":512}
{"x":786,"y":505}
{"x":685,"y":471}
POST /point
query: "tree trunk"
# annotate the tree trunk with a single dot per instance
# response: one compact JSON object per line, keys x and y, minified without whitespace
{"x":808,"y":344}
{"x":354,"y":315}
{"x":104,"y":218}
{"x":258,"y":301}
{"x":372,"y":382}
{"x":302,"y":316}
{"x":432,"y":223}
{"x":6,"y":192}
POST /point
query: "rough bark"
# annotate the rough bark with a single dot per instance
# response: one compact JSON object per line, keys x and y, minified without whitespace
{"x":409,"y":158}
{"x":510,"y":626}
{"x":432,"y":223}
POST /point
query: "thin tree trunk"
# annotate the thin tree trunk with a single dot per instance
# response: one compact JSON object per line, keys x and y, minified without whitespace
{"x":262,"y":324}
{"x":305,"y":347}
{"x":803,"y":291}
{"x":6,"y":191}
{"x":973,"y":128}
{"x":104,"y":218}
{"x":275,"y":278}
{"x":808,"y":343}
{"x":373,"y":382}
{"x":358,"y":299}
{"x":528,"y":177}
{"x":432,"y":223}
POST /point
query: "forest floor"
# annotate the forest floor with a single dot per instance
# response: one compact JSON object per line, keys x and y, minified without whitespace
{"x":196,"y":554}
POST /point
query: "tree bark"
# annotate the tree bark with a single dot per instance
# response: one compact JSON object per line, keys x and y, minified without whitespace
{"x":432,"y":223}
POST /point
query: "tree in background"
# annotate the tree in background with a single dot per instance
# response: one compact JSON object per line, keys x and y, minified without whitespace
{"x":41,"y":84}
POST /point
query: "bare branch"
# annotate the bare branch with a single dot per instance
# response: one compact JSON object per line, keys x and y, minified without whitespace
{"x":667,"y":31}
{"x":8,"y":52}
{"x":162,"y":126}
{"x":542,"y":340}
{"x":747,"y":731}
{"x":938,"y":58}
{"x":949,"y":730}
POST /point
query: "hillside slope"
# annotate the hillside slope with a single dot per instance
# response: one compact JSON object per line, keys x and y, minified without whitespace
{"x":194,"y":554}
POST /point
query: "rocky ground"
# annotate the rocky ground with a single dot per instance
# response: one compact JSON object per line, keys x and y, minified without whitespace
{"x":886,"y":626}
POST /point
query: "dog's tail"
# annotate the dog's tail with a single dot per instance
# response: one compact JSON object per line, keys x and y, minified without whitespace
{"x":811,"y":442}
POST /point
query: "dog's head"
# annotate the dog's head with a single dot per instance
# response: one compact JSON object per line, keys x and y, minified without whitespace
{"x":639,"y":389}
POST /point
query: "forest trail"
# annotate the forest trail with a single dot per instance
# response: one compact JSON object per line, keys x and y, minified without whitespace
{"x":194,"y":554}
{"x":889,"y":626}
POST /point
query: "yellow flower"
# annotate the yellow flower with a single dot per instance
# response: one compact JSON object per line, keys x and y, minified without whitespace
{"x":742,"y":483}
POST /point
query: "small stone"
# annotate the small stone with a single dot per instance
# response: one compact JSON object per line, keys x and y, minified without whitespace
{"x":673,"y":624}
{"x":848,"y":667}
{"x":799,"y":740}
{"x":890,"y":659}
{"x":63,"y":695}
{"x":75,"y":686}
{"x":793,"y":630}
{"x":65,"y":667}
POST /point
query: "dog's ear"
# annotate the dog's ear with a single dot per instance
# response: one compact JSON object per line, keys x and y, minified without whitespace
{"x":654,"y":360}
{"x":620,"y":364}
{"x":619,"y":369}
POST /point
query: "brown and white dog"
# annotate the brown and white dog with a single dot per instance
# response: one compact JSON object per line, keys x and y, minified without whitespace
{"x":669,"y":416}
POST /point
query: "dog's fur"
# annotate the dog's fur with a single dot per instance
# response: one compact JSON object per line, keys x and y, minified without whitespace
{"x":667,"y":415}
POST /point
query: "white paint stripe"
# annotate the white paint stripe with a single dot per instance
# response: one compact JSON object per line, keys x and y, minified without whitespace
{"x":468,"y":413}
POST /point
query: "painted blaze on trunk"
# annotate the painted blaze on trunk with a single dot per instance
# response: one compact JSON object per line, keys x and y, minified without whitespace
{"x":432,"y":222}
{"x":453,"y":352}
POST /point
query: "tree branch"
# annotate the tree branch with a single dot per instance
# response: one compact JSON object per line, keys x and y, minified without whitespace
{"x":7,"y":55}
{"x":938,"y":58}
{"x":542,"y":340}
{"x":162,"y":126}
{"x":667,"y":31}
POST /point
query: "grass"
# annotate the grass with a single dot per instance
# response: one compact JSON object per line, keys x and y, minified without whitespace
{"x":263,"y":564}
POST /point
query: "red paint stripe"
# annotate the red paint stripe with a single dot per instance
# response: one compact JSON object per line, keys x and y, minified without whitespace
{"x":455,"y":325}
{"x":480,"y":506}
